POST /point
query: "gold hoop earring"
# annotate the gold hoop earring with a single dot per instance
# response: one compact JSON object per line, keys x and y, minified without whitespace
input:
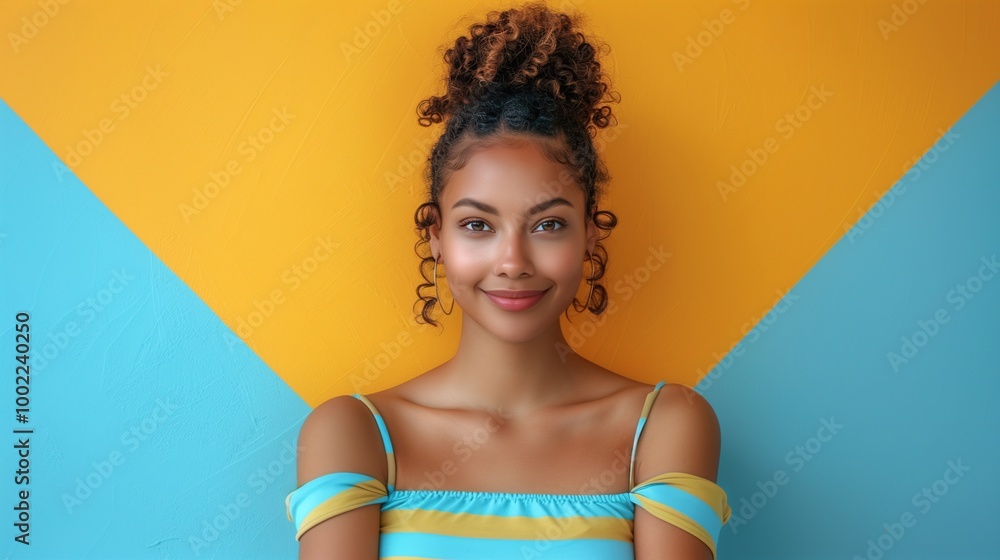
{"x":437,"y":296}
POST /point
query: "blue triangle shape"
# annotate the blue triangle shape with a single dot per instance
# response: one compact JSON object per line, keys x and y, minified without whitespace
{"x":154,"y":431}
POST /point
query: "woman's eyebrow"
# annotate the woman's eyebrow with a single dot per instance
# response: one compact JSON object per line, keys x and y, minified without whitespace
{"x":483,"y":207}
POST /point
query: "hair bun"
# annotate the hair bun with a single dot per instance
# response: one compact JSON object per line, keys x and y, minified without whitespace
{"x":522,"y":108}
{"x":532,"y":53}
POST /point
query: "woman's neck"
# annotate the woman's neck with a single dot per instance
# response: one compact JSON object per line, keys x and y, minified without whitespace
{"x":490,"y":373}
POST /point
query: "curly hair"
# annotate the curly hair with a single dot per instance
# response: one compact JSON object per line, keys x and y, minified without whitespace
{"x":524,"y":72}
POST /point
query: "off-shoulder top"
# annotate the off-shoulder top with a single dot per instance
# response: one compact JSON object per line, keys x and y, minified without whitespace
{"x":467,"y":525}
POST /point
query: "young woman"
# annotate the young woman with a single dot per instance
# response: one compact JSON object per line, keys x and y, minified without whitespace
{"x":516,"y":447}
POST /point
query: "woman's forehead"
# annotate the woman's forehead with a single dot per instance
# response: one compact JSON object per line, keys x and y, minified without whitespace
{"x":511,"y":179}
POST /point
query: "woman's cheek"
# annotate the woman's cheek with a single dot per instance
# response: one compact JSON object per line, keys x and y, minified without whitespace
{"x":565,"y":265}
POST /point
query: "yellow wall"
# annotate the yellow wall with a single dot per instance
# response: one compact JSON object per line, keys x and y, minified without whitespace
{"x":150,"y":103}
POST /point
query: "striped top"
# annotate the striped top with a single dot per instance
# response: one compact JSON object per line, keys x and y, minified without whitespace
{"x":458,"y":524}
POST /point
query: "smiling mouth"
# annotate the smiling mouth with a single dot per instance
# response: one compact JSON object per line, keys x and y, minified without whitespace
{"x":515,"y":301}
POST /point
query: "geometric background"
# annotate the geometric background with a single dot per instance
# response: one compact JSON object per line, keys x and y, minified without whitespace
{"x":169,"y":170}
{"x":893,"y":337}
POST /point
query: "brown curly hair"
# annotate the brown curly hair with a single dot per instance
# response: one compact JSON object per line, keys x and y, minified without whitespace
{"x":525,"y":71}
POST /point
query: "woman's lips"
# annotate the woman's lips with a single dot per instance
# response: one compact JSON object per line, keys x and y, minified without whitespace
{"x":515,"y":301}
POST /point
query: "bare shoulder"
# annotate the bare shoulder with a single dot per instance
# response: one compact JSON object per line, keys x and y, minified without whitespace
{"x":681,"y":434}
{"x":340,"y":435}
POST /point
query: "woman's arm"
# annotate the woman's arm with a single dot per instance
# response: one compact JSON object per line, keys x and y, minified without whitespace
{"x":340,"y":435}
{"x":681,"y":435}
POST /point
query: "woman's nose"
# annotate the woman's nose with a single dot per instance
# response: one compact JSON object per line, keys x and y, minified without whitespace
{"x":513,"y":258}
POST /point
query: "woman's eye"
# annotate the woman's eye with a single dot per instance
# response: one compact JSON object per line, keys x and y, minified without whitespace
{"x":553,"y":224}
{"x":477,"y":225}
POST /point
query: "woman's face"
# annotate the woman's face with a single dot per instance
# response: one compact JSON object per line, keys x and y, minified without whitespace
{"x":513,"y":220}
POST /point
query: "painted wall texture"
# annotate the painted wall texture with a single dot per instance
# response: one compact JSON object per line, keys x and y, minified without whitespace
{"x":206,"y":228}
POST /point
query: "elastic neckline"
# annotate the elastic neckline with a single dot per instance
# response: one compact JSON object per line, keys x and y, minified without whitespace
{"x":622,"y":496}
